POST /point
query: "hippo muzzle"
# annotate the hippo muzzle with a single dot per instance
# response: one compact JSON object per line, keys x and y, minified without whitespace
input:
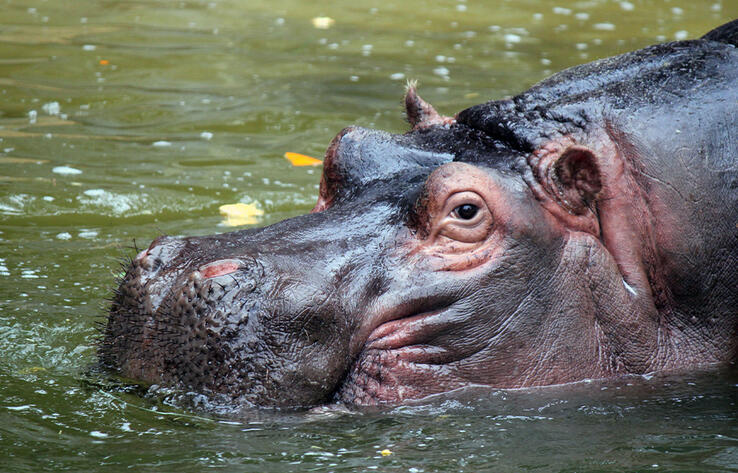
{"x":531,"y":241}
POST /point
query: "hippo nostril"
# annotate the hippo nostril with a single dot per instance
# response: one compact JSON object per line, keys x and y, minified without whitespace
{"x":219,"y":268}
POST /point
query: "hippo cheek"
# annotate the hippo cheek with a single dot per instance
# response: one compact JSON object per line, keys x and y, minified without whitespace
{"x":481,"y":267}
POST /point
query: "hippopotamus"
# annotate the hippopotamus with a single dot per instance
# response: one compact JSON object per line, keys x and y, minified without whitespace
{"x":584,"y":229}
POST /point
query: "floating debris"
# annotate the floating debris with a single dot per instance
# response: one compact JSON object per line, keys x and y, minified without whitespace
{"x":298,"y":159}
{"x":240,"y":214}
{"x":323,"y":22}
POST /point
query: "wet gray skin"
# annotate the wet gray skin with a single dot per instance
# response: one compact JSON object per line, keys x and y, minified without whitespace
{"x":583,"y":229}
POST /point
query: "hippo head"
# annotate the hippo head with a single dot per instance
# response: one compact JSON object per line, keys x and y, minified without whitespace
{"x":443,"y":257}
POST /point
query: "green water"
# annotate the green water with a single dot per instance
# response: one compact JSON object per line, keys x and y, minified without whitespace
{"x":123,"y":120}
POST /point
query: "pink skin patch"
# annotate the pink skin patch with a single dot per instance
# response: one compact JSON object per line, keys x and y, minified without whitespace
{"x":219,"y":268}
{"x":141,"y":255}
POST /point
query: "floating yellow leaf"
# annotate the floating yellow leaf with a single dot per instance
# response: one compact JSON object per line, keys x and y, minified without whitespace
{"x":298,"y":159}
{"x":240,"y":214}
{"x":323,"y":22}
{"x":386,"y":452}
{"x":104,"y":62}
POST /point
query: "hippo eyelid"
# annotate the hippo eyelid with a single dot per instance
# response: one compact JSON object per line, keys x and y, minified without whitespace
{"x":460,"y":199}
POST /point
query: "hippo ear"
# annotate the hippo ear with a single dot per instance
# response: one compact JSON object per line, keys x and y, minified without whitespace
{"x":420,"y":113}
{"x":575,"y":176}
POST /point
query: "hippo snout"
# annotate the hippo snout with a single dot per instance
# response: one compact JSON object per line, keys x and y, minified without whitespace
{"x":178,"y":310}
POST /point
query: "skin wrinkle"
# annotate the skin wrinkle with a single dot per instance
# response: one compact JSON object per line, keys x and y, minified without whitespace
{"x":670,"y":319}
{"x":548,"y":336}
{"x":659,"y":290}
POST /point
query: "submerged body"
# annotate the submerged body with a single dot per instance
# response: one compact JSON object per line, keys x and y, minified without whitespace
{"x":586,"y":228}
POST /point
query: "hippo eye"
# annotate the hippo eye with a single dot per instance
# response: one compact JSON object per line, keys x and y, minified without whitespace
{"x":465,"y":218}
{"x":466,"y":211}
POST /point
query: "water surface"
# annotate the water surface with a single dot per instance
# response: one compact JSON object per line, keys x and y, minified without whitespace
{"x":123,"y":120}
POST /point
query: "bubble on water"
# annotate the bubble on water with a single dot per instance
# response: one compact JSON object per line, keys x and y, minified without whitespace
{"x":29,"y":273}
{"x":354,"y":78}
{"x":397,"y":76}
{"x":716,"y":7}
{"x":677,"y":11}
{"x":94,"y":192}
{"x":64,"y":236}
{"x":32,"y":116}
{"x":25,"y":407}
{"x":88,"y":234}
{"x":562,"y":11}
{"x":206,"y":135}
{"x":65,"y":170}
{"x":681,"y":35}
{"x":582,"y":16}
{"x":409,"y":43}
{"x":512,"y":38}
{"x":366,"y":49}
{"x":604,"y":26}
{"x":442,"y":71}
{"x":461,"y":7}
{"x":161,"y":144}
{"x":538,"y":16}
{"x":51,"y":108}
{"x":117,"y":204}
{"x":4,"y":271}
{"x":88,"y":47}
{"x":98,"y":434}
